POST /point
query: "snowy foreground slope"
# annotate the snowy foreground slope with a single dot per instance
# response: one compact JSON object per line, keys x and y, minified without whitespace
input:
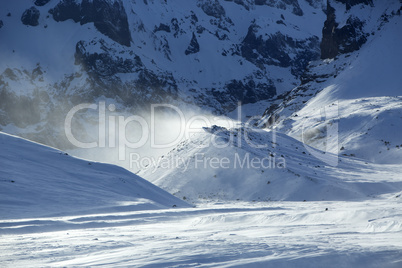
{"x":61,"y":211}
{"x":275,"y":234}
{"x":37,"y":181}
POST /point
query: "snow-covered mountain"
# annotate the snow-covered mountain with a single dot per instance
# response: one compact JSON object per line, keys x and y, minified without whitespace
{"x":347,"y":107}
{"x":39,"y":181}
{"x":211,"y":54}
{"x":207,"y":54}
{"x":359,"y":91}
{"x":313,"y":179}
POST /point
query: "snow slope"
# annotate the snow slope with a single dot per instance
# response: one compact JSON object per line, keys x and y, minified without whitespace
{"x":256,"y":165}
{"x":37,"y":181}
{"x":56,"y":210}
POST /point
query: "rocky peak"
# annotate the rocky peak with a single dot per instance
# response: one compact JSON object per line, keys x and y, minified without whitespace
{"x":339,"y":40}
{"x":329,"y":46}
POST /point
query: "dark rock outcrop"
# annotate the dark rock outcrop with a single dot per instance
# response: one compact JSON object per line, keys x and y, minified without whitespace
{"x":104,"y":67}
{"x":40,"y":3}
{"x":66,"y":9}
{"x":277,"y":48}
{"x":240,"y":2}
{"x":109,"y":18}
{"x":162,"y":27}
{"x":249,"y":91}
{"x":270,"y":49}
{"x":314,"y":3}
{"x":350,"y":3}
{"x":329,"y":47}
{"x":1,"y":24}
{"x":244,"y":91}
{"x":105,"y":64}
{"x":342,"y":40}
{"x":282,"y":4}
{"x":212,"y":8}
{"x":30,"y":17}
{"x":194,"y":47}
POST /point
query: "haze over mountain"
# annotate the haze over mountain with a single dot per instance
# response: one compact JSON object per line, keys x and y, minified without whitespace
{"x":209,"y":54}
{"x":204,"y":56}
{"x":306,"y":171}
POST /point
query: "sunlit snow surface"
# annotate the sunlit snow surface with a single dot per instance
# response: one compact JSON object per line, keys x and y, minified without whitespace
{"x":274,"y":234}
{"x":70,"y":213}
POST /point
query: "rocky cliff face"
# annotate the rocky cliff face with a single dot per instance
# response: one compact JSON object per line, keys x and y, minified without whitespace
{"x":348,"y":26}
{"x":279,"y":50}
{"x":109,"y":18}
{"x":358,"y":72}
{"x":347,"y":38}
{"x":207,"y":53}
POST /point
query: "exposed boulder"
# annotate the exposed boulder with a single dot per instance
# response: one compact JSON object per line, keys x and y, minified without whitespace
{"x":1,"y":24}
{"x":30,"y":17}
